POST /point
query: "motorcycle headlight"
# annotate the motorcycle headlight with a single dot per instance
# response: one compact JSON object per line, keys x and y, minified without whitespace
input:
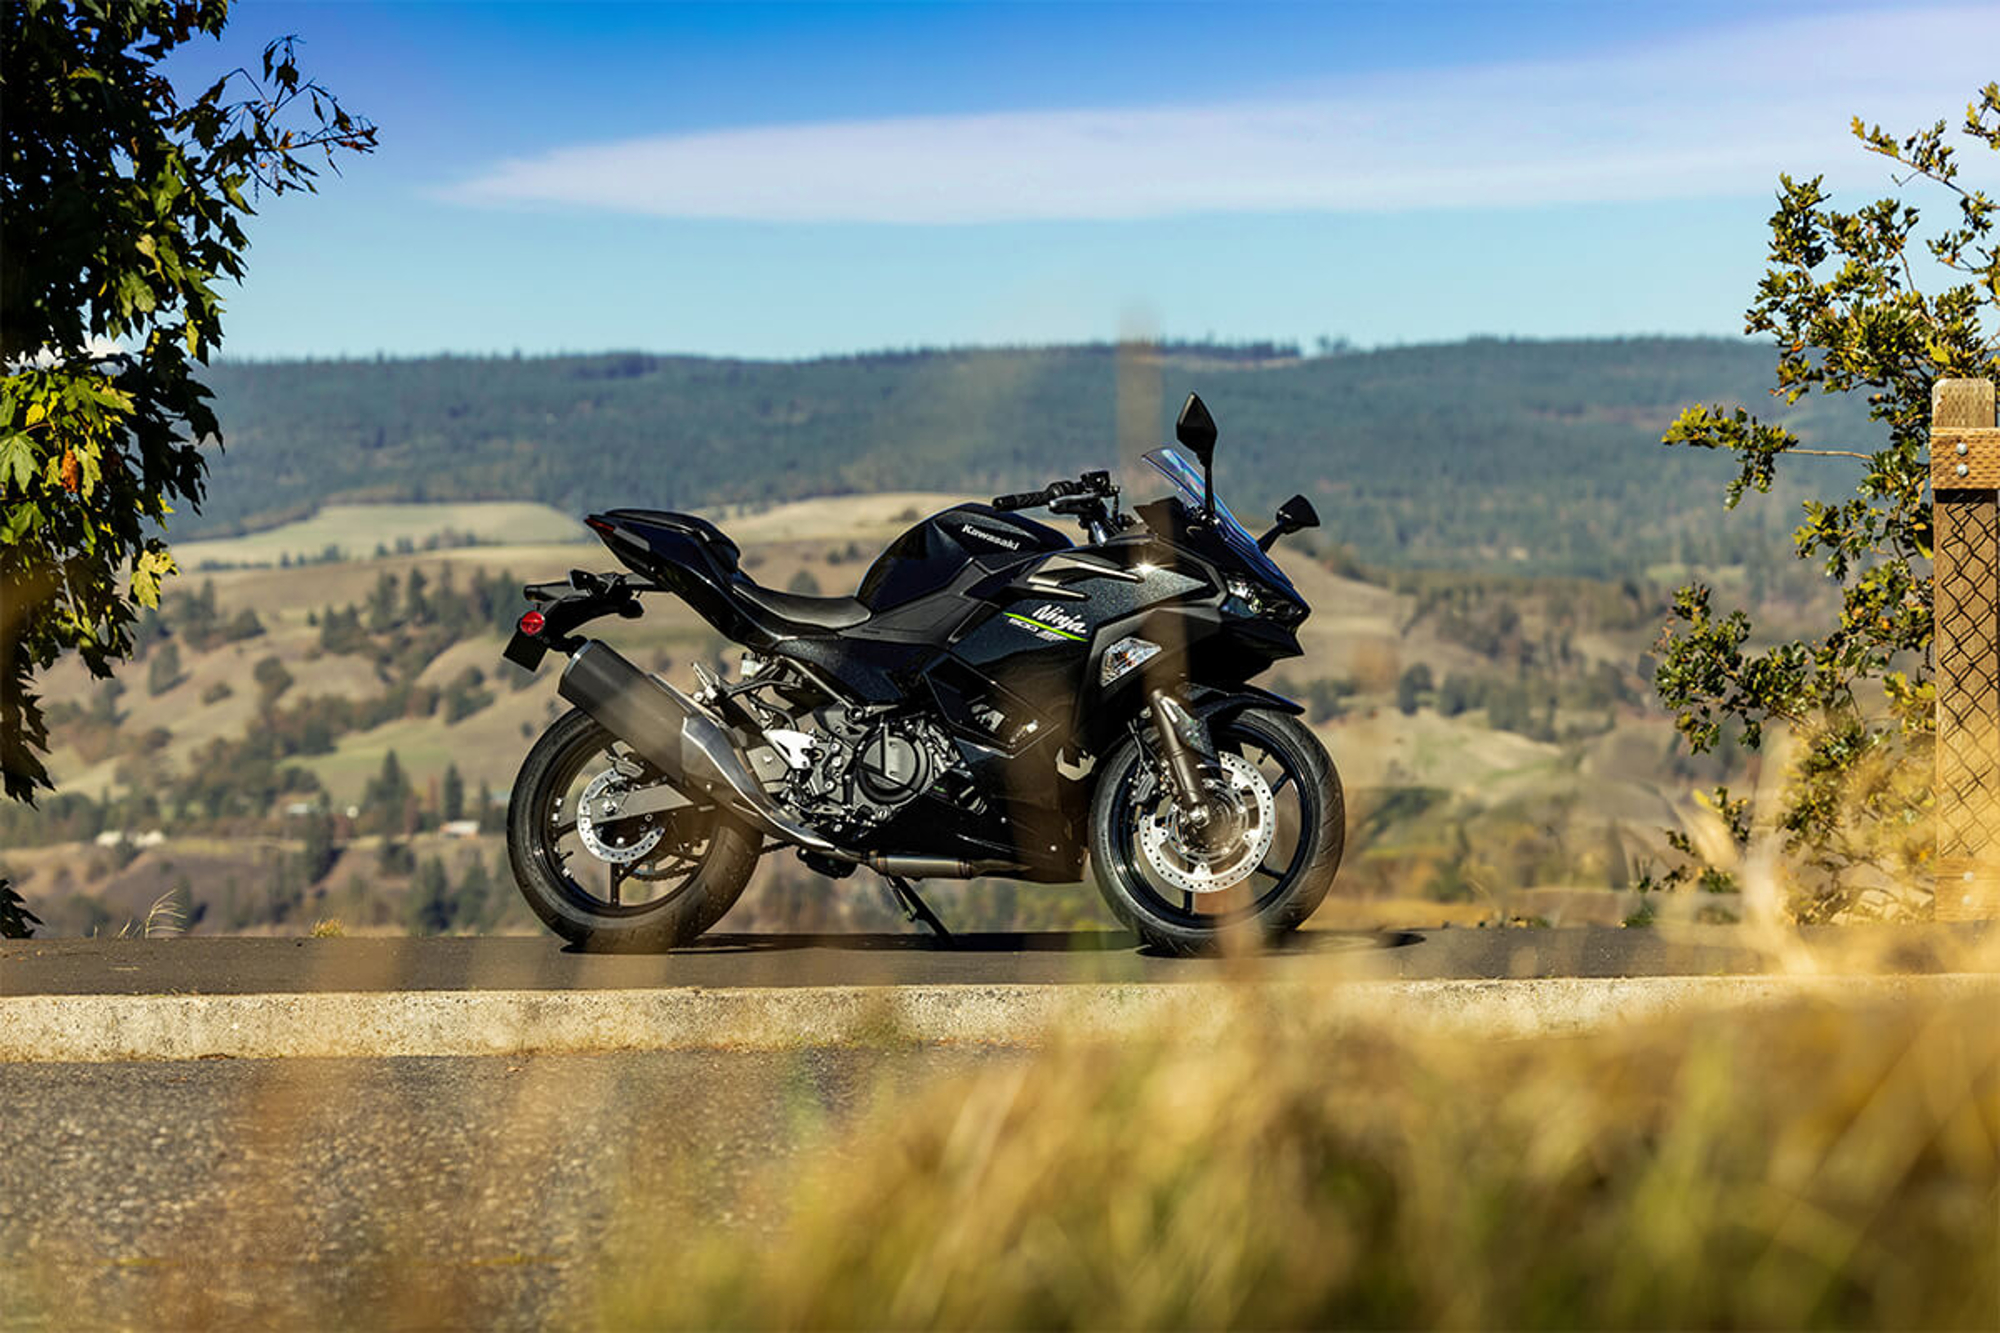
{"x":1254,"y":599}
{"x":1124,"y":655}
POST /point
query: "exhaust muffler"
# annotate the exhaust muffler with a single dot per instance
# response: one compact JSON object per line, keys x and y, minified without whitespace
{"x":937,"y":867}
{"x":676,"y":736}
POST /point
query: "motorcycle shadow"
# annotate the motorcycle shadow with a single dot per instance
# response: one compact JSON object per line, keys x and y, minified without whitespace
{"x":1034,"y":941}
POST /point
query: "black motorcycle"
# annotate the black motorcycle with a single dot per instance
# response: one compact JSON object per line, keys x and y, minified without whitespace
{"x":993,"y":700}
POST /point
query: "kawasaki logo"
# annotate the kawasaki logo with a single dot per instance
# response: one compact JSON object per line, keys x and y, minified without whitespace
{"x":1007,"y":540}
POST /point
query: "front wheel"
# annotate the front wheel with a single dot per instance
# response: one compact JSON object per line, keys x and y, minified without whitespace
{"x":611,"y":884}
{"x":1183,"y":897}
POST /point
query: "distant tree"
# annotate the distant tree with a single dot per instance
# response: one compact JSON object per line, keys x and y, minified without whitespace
{"x":163,"y":672}
{"x":1508,"y":708}
{"x":416,"y":610}
{"x":395,"y":858}
{"x":431,"y":910}
{"x":1841,"y":301}
{"x":382,"y":603}
{"x":1456,"y":695}
{"x":147,"y":630}
{"x":104,"y":703}
{"x":492,"y":815}
{"x":123,"y":210}
{"x":804,"y":582}
{"x":1412,"y":687}
{"x":272,"y":678}
{"x":197,"y":617}
{"x":452,"y":801}
{"x":320,"y":852}
{"x":478,"y":902}
{"x":388,"y":790}
{"x":341,"y":632}
{"x":1326,"y":698}
{"x":463,"y":696}
{"x":243,"y":625}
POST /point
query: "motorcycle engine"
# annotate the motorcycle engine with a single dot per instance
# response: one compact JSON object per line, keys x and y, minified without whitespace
{"x":861,"y":771}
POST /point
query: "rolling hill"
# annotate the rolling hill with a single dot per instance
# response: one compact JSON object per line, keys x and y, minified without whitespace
{"x":1544,"y":455}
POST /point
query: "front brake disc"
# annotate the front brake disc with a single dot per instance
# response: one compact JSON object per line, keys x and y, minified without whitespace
{"x":1169,"y":855}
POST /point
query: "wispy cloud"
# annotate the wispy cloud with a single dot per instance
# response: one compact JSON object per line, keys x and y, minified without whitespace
{"x":1712,"y":113}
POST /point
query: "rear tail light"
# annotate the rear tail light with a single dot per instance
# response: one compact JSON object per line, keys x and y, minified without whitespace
{"x":531,"y":623}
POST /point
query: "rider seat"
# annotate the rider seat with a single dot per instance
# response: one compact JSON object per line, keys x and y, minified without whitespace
{"x":827,"y":613}
{"x":794,"y":610}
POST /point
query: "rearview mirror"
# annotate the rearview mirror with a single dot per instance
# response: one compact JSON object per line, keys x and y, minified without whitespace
{"x":1293,"y":514}
{"x":1195,"y":428}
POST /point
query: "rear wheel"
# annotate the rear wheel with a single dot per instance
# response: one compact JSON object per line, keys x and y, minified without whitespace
{"x":1183,"y":897}
{"x":610,"y":883}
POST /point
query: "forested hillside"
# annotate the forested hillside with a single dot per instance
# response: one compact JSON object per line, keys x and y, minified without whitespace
{"x":1540,"y":454}
{"x":329,"y":734}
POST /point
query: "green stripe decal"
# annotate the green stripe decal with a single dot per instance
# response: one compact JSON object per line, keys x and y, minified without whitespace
{"x":1032,"y":623}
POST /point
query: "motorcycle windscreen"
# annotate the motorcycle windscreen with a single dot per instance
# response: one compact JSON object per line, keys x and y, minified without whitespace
{"x":1186,"y":478}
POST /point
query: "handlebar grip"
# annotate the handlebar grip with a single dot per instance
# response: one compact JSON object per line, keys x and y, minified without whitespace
{"x":1021,"y":500}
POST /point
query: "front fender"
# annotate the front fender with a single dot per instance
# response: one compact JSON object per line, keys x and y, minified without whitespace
{"x":1225,"y":703}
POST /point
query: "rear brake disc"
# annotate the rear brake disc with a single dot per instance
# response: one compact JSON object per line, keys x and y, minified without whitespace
{"x":602,"y":833}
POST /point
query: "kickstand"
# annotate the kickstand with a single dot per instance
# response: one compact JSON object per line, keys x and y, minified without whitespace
{"x":904,"y":895}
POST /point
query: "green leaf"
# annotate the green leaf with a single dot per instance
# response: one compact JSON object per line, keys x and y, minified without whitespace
{"x":17,"y":460}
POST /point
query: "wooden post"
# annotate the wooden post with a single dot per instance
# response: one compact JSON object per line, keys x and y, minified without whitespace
{"x":1965,"y":475}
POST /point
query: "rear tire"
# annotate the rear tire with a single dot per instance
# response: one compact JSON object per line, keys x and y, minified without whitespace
{"x":1276,"y":897}
{"x":560,"y":877}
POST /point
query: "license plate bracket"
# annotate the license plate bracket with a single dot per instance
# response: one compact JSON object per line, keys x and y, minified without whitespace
{"x":525,"y":651}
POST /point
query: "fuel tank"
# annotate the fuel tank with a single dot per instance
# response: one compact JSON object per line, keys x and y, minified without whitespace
{"x":930,"y":554}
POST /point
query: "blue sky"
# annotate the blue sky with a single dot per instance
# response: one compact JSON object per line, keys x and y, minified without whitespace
{"x":785,"y":181}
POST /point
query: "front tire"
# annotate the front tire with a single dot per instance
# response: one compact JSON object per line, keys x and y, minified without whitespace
{"x":1277,"y":896}
{"x":675,"y":886}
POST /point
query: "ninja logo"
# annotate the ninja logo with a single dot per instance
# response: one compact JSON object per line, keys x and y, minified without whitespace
{"x":1058,"y":619}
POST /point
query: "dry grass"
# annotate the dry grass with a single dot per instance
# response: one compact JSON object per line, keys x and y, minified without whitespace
{"x":165,"y":919}
{"x":1809,"y":1167}
{"x":357,"y":529}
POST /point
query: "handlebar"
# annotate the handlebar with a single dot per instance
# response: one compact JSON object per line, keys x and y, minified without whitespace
{"x":1021,"y":500}
{"x":1090,"y":486}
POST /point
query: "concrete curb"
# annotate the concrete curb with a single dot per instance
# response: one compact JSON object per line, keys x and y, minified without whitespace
{"x":97,"y":1028}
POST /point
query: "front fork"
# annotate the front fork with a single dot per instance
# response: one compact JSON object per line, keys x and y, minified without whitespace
{"x":1190,"y":754}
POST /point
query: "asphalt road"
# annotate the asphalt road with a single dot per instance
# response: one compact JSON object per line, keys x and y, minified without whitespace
{"x":467,"y":1193}
{"x":224,"y":966}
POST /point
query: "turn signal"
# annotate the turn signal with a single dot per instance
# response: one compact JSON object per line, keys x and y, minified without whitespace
{"x":531,"y":623}
{"x":1122,"y":656}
